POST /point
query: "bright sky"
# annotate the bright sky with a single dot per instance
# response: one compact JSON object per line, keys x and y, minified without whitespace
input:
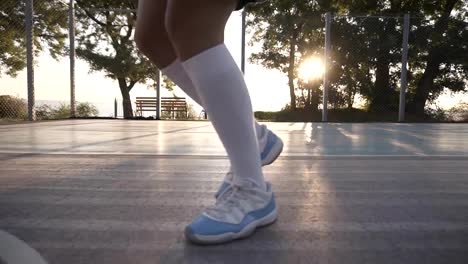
{"x":268,"y":88}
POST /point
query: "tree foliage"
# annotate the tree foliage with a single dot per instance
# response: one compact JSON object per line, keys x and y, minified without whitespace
{"x":50,"y":25}
{"x":105,"y":41}
{"x":285,"y":29}
{"x":12,"y":107}
{"x":62,"y":111}
{"x":366,"y":51}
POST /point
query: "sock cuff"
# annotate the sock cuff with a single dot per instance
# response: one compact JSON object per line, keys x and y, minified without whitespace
{"x":172,"y":68}
{"x":208,"y":60}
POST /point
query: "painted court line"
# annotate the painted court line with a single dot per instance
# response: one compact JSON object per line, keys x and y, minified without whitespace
{"x":257,"y":247}
{"x":209,"y":190}
{"x":318,"y":226}
{"x":205,"y":201}
{"x":214,"y":156}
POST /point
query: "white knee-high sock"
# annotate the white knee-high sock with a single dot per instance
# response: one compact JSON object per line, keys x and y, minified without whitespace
{"x":223,"y":92}
{"x":176,"y":72}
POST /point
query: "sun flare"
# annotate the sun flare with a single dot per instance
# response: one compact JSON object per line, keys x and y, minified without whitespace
{"x":311,"y":69}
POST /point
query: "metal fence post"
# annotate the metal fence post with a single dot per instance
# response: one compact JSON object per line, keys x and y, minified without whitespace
{"x":30,"y":58}
{"x":244,"y":15}
{"x":158,"y":95}
{"x":326,"y":62}
{"x":115,"y":108}
{"x":71,"y":34}
{"x":404,"y":62}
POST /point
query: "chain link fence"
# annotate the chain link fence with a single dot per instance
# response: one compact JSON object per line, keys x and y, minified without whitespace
{"x":437,"y":68}
{"x":396,"y":68}
{"x":32,"y":33}
{"x":51,"y":62}
{"x":363,"y":79}
{"x":12,"y":58}
{"x":365,"y":66}
{"x":105,"y":42}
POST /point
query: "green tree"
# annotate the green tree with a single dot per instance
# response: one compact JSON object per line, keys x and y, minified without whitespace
{"x":438,"y":51}
{"x":286,"y":30}
{"x":292,"y":30}
{"x":105,"y":41}
{"x":50,"y":24}
{"x":366,"y":52}
{"x":379,"y":45}
{"x":351,"y":63}
{"x":441,"y":51}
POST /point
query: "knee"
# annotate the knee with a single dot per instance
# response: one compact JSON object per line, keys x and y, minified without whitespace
{"x":155,"y":44}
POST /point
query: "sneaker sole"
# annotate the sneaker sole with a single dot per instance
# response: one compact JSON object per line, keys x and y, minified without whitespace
{"x":274,"y":153}
{"x":247,"y":231}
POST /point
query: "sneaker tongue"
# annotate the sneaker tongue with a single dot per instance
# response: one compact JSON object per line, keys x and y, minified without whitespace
{"x":250,"y":184}
{"x":236,"y":202}
{"x":244,"y":183}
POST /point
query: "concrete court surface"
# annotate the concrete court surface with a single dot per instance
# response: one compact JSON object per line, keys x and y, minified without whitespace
{"x":115,"y":191}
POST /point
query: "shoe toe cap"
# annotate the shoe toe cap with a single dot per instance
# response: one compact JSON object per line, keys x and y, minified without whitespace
{"x":206,"y":226}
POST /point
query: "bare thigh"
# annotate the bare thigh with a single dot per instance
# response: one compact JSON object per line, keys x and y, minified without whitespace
{"x":197,"y":25}
{"x":151,"y":35}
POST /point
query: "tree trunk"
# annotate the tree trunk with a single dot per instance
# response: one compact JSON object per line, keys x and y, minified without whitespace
{"x":302,"y":100}
{"x":350,"y":97}
{"x":292,"y":54}
{"x":314,"y":101}
{"x":381,"y":95}
{"x":127,"y":102}
{"x":426,"y":82}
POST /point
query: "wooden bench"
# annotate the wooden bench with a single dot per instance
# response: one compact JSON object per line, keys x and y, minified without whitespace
{"x":170,"y":105}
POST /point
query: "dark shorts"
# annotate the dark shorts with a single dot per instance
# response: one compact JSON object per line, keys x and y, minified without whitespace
{"x":243,"y":3}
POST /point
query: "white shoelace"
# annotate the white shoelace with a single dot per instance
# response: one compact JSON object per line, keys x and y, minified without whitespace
{"x":231,"y":198}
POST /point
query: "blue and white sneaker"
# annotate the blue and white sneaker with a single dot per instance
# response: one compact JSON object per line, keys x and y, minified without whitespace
{"x":236,"y":214}
{"x":271,"y":147}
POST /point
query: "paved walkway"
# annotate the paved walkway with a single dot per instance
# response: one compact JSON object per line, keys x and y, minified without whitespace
{"x":94,"y":191}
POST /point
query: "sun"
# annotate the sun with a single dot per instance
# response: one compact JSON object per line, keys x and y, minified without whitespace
{"x":311,"y":69}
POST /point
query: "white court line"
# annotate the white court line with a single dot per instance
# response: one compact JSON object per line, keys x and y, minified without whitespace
{"x":305,"y":178}
{"x":217,"y":156}
{"x":169,"y":226}
{"x":213,"y":189}
{"x":257,"y":247}
{"x":207,"y":200}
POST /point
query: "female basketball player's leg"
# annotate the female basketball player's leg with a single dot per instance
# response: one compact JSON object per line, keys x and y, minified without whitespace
{"x":153,"y":40}
{"x":196,"y":31}
{"x":151,"y":34}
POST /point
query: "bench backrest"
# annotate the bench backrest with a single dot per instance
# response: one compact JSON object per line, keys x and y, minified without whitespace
{"x":167,"y":103}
